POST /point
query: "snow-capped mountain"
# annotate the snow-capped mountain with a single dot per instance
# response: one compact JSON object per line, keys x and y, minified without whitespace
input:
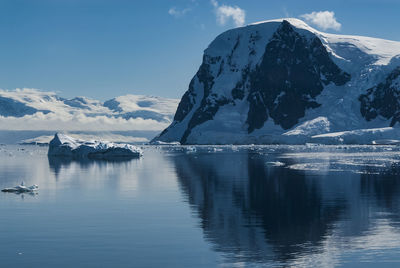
{"x":134,"y":106}
{"x":30,"y":109}
{"x":283,"y":81}
{"x":19,"y":103}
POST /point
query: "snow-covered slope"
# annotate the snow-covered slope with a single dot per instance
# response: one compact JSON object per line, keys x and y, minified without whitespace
{"x":146,"y":107}
{"x":30,"y":109}
{"x":283,"y":81}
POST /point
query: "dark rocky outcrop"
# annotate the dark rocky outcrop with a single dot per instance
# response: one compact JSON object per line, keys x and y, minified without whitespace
{"x":383,"y":100}
{"x":209,"y":105}
{"x":10,"y":107}
{"x":293,"y":71}
{"x":186,"y":104}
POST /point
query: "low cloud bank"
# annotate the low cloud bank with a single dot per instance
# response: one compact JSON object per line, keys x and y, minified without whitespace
{"x":78,"y":122}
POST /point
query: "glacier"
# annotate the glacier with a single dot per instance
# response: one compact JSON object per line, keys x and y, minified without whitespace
{"x":282,"y":81}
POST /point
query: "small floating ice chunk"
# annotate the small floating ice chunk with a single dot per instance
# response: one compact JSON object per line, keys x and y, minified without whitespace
{"x":176,"y":143}
{"x":191,"y":149}
{"x":215,"y":149}
{"x":63,"y":145}
{"x":308,"y":166}
{"x":276,"y":164}
{"x":234,"y":148}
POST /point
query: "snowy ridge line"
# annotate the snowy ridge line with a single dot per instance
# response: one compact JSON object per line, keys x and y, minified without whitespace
{"x":384,"y":49}
{"x":31,"y":109}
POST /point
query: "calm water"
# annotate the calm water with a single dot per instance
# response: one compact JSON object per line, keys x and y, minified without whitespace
{"x":226,"y":207}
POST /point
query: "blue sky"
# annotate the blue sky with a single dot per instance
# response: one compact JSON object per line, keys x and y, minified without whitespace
{"x":103,"y":49}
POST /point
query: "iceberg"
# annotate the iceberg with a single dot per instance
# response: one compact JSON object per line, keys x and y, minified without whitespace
{"x":66,"y":146}
{"x":21,"y":189}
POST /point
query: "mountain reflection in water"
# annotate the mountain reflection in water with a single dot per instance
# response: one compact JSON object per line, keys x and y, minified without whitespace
{"x":256,"y":212}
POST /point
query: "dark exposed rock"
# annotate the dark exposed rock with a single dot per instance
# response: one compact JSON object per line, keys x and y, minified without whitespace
{"x":185,"y":105}
{"x":383,"y":100}
{"x":145,"y":115}
{"x":209,"y":104}
{"x":292,"y":73}
{"x":187,"y":102}
{"x":77,"y":102}
{"x":238,"y":92}
{"x":113,"y":105}
{"x":206,"y":112}
{"x":240,"y":89}
{"x":10,"y":107}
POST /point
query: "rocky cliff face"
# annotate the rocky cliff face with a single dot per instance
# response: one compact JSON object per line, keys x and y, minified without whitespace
{"x":258,"y":82}
{"x":292,"y":73}
{"x":383,"y":99}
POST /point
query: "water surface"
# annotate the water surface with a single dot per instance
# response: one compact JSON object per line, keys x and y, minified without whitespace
{"x":239,"y":206}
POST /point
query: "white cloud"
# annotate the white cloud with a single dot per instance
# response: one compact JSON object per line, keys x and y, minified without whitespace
{"x":323,"y":19}
{"x":175,"y":12}
{"x":78,"y":122}
{"x":225,"y":13}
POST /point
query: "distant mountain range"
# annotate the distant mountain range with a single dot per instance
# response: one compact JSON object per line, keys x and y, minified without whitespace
{"x":282,"y":81}
{"x":20,"y":103}
{"x":33,"y":116}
